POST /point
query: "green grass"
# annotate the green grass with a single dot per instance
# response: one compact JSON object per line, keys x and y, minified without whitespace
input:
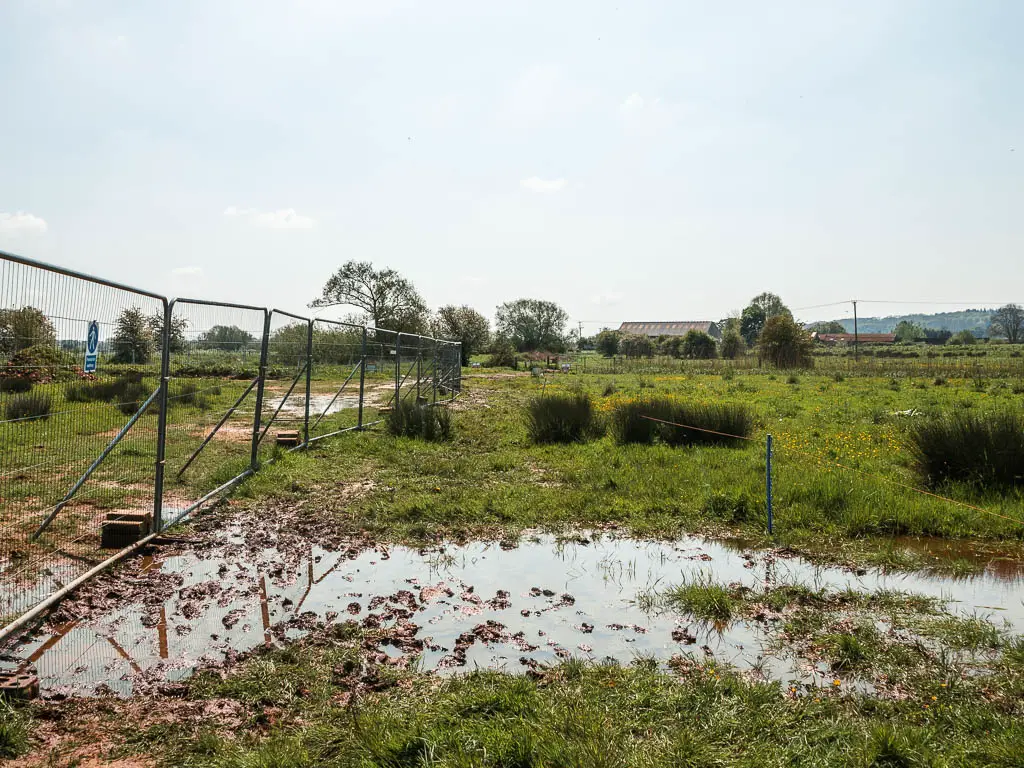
{"x":984,"y":449}
{"x":704,"y":599}
{"x":562,"y":418}
{"x":14,"y":730}
{"x":701,"y":713}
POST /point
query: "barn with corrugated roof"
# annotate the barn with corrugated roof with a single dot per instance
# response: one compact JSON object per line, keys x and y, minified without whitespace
{"x":676,"y":328}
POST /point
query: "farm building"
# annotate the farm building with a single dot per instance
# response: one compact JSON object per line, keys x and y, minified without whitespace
{"x":848,"y":338}
{"x":680,"y":328}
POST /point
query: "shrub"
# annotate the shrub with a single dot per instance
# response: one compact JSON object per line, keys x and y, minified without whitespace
{"x":939,"y":381}
{"x":562,"y":418}
{"x":15,"y":384}
{"x":410,"y":419}
{"x":698,"y":345}
{"x":963,"y":338}
{"x":785,"y":344}
{"x":40,"y":363}
{"x":635,"y":345}
{"x":732,"y":344}
{"x":189,"y":393}
{"x":503,"y":355}
{"x":715,"y":423}
{"x":31,"y":405}
{"x":126,"y":388}
{"x":609,"y":389}
{"x":793,"y":379}
{"x":981,"y":449}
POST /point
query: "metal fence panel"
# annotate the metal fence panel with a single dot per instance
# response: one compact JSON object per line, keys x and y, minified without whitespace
{"x":117,"y":405}
{"x":335,"y":392}
{"x":285,"y":398}
{"x":75,"y":447}
{"x":214,"y":382}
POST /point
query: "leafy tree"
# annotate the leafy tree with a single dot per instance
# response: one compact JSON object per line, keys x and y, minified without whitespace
{"x":938,"y":336}
{"x":636,"y":345}
{"x":785,"y":344}
{"x":532,"y":324}
{"x":133,"y":337}
{"x":607,"y":342}
{"x":671,"y":346}
{"x":226,"y":337}
{"x":827,"y":326}
{"x":698,"y":345}
{"x":963,"y":338}
{"x":463,"y":324}
{"x":23,"y":328}
{"x":287,"y":345}
{"x":384,"y":296}
{"x":761,"y":309}
{"x":178,"y":328}
{"x":907,"y":332}
{"x":730,"y":323}
{"x":732,"y":344}
{"x":1008,"y":322}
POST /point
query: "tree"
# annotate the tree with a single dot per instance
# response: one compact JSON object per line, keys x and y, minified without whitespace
{"x":23,"y":328}
{"x":607,"y":342}
{"x":785,"y":344}
{"x":133,"y":337}
{"x":287,"y":345}
{"x":385,"y":297}
{"x":963,"y":338}
{"x":636,"y":345}
{"x":226,"y":337}
{"x":532,"y":324}
{"x":827,"y":326}
{"x":761,"y":309}
{"x":463,"y":324}
{"x":698,"y":345}
{"x":907,"y":332}
{"x":671,"y":346}
{"x":1008,"y":322}
{"x":732,"y":344}
{"x":178,"y":327}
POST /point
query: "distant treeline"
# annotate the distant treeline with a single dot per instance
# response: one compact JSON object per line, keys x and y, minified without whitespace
{"x":974,"y":320}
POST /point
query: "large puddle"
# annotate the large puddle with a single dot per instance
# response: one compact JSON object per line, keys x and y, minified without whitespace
{"x":477,"y":605}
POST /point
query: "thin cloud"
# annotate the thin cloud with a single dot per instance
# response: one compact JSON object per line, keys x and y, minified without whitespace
{"x":607,"y":299}
{"x":544,"y":186}
{"x":633,"y":103}
{"x":285,"y":218}
{"x":22,"y":222}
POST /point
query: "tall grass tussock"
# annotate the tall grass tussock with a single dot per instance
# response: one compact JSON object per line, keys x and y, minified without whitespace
{"x":563,"y":418}
{"x":29,"y":405}
{"x":716,"y":423}
{"x":969,"y":447}
{"x":410,"y":419}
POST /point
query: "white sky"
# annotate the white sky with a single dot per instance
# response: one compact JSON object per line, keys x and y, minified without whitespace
{"x":631,"y":161}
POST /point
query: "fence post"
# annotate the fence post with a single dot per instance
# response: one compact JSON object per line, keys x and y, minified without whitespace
{"x":362,"y":377}
{"x":309,"y":378}
{"x":254,"y":461}
{"x":768,"y":482}
{"x":419,"y":366}
{"x":433,"y":375}
{"x":161,"y":428}
{"x":398,"y":368}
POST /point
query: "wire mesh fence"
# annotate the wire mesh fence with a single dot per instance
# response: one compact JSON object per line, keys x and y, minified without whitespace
{"x":121,"y":411}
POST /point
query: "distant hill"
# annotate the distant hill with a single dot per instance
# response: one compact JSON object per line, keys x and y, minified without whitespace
{"x":974,"y":320}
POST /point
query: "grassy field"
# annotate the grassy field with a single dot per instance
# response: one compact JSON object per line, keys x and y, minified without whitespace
{"x":841,"y":461}
{"x":940,"y":690}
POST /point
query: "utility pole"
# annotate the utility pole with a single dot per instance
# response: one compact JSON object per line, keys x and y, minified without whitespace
{"x":856,"y":336}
